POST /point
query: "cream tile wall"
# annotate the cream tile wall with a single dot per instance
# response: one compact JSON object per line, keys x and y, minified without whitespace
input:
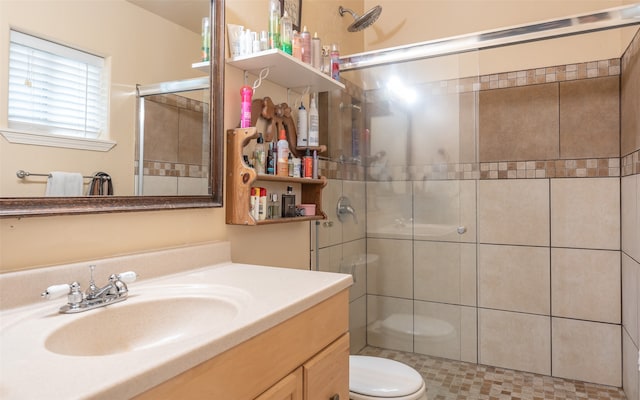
{"x":341,"y":247}
{"x":515,"y":340}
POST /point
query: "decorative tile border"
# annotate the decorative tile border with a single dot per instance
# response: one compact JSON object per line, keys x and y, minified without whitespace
{"x":581,"y":168}
{"x":560,"y":73}
{"x":160,"y":168}
{"x":631,"y":164}
{"x":534,"y":169}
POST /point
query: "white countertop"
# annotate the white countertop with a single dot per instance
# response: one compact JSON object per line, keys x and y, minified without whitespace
{"x":268,"y":297}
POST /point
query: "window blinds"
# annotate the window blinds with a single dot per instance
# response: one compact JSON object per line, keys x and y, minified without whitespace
{"x":55,"y":89}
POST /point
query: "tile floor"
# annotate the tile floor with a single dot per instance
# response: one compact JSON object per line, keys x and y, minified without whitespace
{"x":456,"y":380}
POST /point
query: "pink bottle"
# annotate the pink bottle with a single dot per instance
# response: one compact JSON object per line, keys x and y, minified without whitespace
{"x":246,"y":92}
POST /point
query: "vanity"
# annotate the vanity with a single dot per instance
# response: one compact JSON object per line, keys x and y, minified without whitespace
{"x":194,"y":326}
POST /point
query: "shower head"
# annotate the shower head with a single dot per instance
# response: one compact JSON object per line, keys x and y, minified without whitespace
{"x":363,"y":21}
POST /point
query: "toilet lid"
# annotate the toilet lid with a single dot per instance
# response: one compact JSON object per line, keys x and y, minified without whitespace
{"x":381,"y":377}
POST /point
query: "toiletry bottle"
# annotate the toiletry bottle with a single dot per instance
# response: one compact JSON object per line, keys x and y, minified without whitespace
{"x":335,"y":62}
{"x":286,"y":34}
{"x":274,"y":24}
{"x":314,"y":128}
{"x":255,"y":203}
{"x":274,"y":207}
{"x":305,"y":37}
{"x":282,"y":164}
{"x":264,"y":40}
{"x":308,"y":164}
{"x":262,"y":204}
{"x":260,"y":155}
{"x":315,"y":165}
{"x":316,"y":52}
{"x":303,"y":131}
{"x":297,"y":166}
{"x":290,"y":165}
{"x":246,"y":92}
{"x":326,"y":60}
{"x":206,"y":39}
{"x":289,"y":203}
{"x":296,"y":41}
{"x":271,"y":165}
{"x":255,"y":42}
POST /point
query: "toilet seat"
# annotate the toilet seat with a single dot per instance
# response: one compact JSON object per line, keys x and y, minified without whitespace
{"x":381,"y":378}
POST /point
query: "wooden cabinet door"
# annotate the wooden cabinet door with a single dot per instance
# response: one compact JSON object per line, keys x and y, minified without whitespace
{"x":288,"y":388}
{"x":326,"y":375}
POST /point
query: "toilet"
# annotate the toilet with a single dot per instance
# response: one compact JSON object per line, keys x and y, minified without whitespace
{"x":377,"y":378}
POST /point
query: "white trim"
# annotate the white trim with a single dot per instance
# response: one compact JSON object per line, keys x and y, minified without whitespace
{"x":39,"y":139}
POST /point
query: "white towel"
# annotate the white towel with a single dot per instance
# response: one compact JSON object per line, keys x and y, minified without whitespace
{"x":64,"y":184}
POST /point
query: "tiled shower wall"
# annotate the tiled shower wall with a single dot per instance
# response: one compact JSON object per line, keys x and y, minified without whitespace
{"x":630,"y":201}
{"x":176,"y":144}
{"x":534,"y":281}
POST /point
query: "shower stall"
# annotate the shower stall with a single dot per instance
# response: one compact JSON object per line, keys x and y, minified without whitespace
{"x":173,"y":140}
{"x":485,"y":171}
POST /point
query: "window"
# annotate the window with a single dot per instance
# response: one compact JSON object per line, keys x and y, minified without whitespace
{"x":54,"y":89}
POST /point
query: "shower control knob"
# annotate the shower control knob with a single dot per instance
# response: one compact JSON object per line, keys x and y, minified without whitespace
{"x":461,"y":230}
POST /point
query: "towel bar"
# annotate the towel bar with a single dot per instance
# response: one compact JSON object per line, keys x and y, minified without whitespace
{"x":23,"y":174}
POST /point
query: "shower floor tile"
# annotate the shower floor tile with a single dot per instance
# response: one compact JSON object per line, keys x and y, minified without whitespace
{"x":457,"y":380}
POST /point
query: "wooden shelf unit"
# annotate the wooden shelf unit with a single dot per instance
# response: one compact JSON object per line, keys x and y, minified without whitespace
{"x":241,"y":178}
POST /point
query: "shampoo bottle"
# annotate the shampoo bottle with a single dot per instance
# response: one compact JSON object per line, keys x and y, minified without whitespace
{"x":314,"y":125}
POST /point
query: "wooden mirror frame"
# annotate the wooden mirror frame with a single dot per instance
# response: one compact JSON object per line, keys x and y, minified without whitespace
{"x":43,"y":206}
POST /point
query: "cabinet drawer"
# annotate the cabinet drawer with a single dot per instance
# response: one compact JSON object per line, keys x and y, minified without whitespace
{"x":327,"y":374}
{"x":289,"y":388}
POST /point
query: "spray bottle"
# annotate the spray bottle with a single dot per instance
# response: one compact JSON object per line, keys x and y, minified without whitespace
{"x":246,"y":92}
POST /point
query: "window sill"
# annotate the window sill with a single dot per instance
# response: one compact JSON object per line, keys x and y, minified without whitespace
{"x":69,"y":142}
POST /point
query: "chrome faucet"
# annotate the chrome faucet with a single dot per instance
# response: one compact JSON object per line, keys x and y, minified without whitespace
{"x":344,"y":208}
{"x":113,"y":292}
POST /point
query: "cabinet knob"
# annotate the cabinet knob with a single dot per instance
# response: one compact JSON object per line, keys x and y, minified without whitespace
{"x":335,"y":397}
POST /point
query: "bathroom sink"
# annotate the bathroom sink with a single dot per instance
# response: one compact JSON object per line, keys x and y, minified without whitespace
{"x":142,"y":323}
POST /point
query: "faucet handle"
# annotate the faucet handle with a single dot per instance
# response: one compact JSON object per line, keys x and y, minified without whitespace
{"x":55,"y":291}
{"x":127,"y":277}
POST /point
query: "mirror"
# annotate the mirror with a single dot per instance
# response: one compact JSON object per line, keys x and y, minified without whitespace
{"x":163,"y":56}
